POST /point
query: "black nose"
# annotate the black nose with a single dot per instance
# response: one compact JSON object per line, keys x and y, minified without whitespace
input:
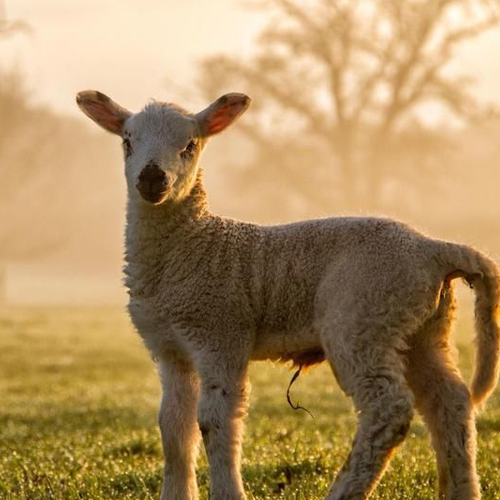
{"x":153,"y":183}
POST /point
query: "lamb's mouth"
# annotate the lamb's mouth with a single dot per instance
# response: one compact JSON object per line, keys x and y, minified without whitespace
{"x":154,"y":197}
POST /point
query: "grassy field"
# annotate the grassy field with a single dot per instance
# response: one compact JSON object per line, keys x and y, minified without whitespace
{"x":78,"y":403}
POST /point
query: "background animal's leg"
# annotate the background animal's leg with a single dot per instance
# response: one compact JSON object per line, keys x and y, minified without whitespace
{"x":444,"y":401}
{"x":373,"y":376}
{"x":179,"y":430}
{"x":223,"y":404}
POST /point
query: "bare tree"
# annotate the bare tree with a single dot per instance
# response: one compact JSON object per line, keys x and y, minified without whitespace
{"x":355,"y":79}
{"x":25,"y":133}
{"x":9,"y":27}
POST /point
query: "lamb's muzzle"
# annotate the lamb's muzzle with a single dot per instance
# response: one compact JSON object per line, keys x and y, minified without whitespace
{"x":153,"y":183}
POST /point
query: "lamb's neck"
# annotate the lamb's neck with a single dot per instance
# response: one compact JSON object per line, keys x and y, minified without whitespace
{"x":156,"y":227}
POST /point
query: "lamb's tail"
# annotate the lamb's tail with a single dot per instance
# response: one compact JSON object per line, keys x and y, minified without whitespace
{"x":483,"y":276}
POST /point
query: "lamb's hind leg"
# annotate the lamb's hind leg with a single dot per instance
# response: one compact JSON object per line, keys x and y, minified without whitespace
{"x":223,"y":404}
{"x":179,"y":429}
{"x":372,"y":373}
{"x":444,"y":401}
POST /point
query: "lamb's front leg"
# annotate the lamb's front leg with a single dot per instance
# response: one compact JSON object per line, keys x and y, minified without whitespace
{"x":179,"y":429}
{"x":222,"y":406}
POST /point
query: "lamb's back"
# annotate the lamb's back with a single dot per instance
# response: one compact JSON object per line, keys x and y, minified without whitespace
{"x":296,"y":258}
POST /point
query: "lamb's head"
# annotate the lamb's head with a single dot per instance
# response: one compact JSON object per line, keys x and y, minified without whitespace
{"x":162,"y":143}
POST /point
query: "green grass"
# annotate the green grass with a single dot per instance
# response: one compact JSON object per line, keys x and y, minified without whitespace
{"x":78,"y":403}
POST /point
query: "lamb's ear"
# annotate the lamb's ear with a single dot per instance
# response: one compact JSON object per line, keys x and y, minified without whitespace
{"x":221,"y":113}
{"x":105,"y":112}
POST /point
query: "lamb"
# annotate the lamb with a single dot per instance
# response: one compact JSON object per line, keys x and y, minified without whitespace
{"x":371,"y":296}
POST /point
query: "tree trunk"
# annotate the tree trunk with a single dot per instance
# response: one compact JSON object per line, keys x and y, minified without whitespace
{"x":376,"y":170}
{"x":3,"y":285}
{"x":349,"y":175}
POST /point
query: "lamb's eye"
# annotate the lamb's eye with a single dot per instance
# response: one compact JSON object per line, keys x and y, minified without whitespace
{"x":127,"y":147}
{"x":189,"y":149}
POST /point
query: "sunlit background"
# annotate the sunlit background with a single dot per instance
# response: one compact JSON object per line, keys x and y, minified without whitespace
{"x":361,"y":107}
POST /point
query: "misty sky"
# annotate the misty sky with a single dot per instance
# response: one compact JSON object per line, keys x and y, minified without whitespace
{"x":127,"y":48}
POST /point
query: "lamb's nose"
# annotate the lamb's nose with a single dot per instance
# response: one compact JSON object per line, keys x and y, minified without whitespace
{"x":153,"y":182}
{"x":152,"y":178}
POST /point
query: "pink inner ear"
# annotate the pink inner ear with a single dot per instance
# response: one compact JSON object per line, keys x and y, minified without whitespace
{"x":217,"y":124}
{"x":105,"y":116}
{"x":224,"y":115}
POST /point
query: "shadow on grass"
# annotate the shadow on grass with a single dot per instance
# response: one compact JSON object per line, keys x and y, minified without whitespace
{"x":279,"y":477}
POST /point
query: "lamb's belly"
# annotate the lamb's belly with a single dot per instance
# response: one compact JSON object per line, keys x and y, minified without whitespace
{"x":303,"y":347}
